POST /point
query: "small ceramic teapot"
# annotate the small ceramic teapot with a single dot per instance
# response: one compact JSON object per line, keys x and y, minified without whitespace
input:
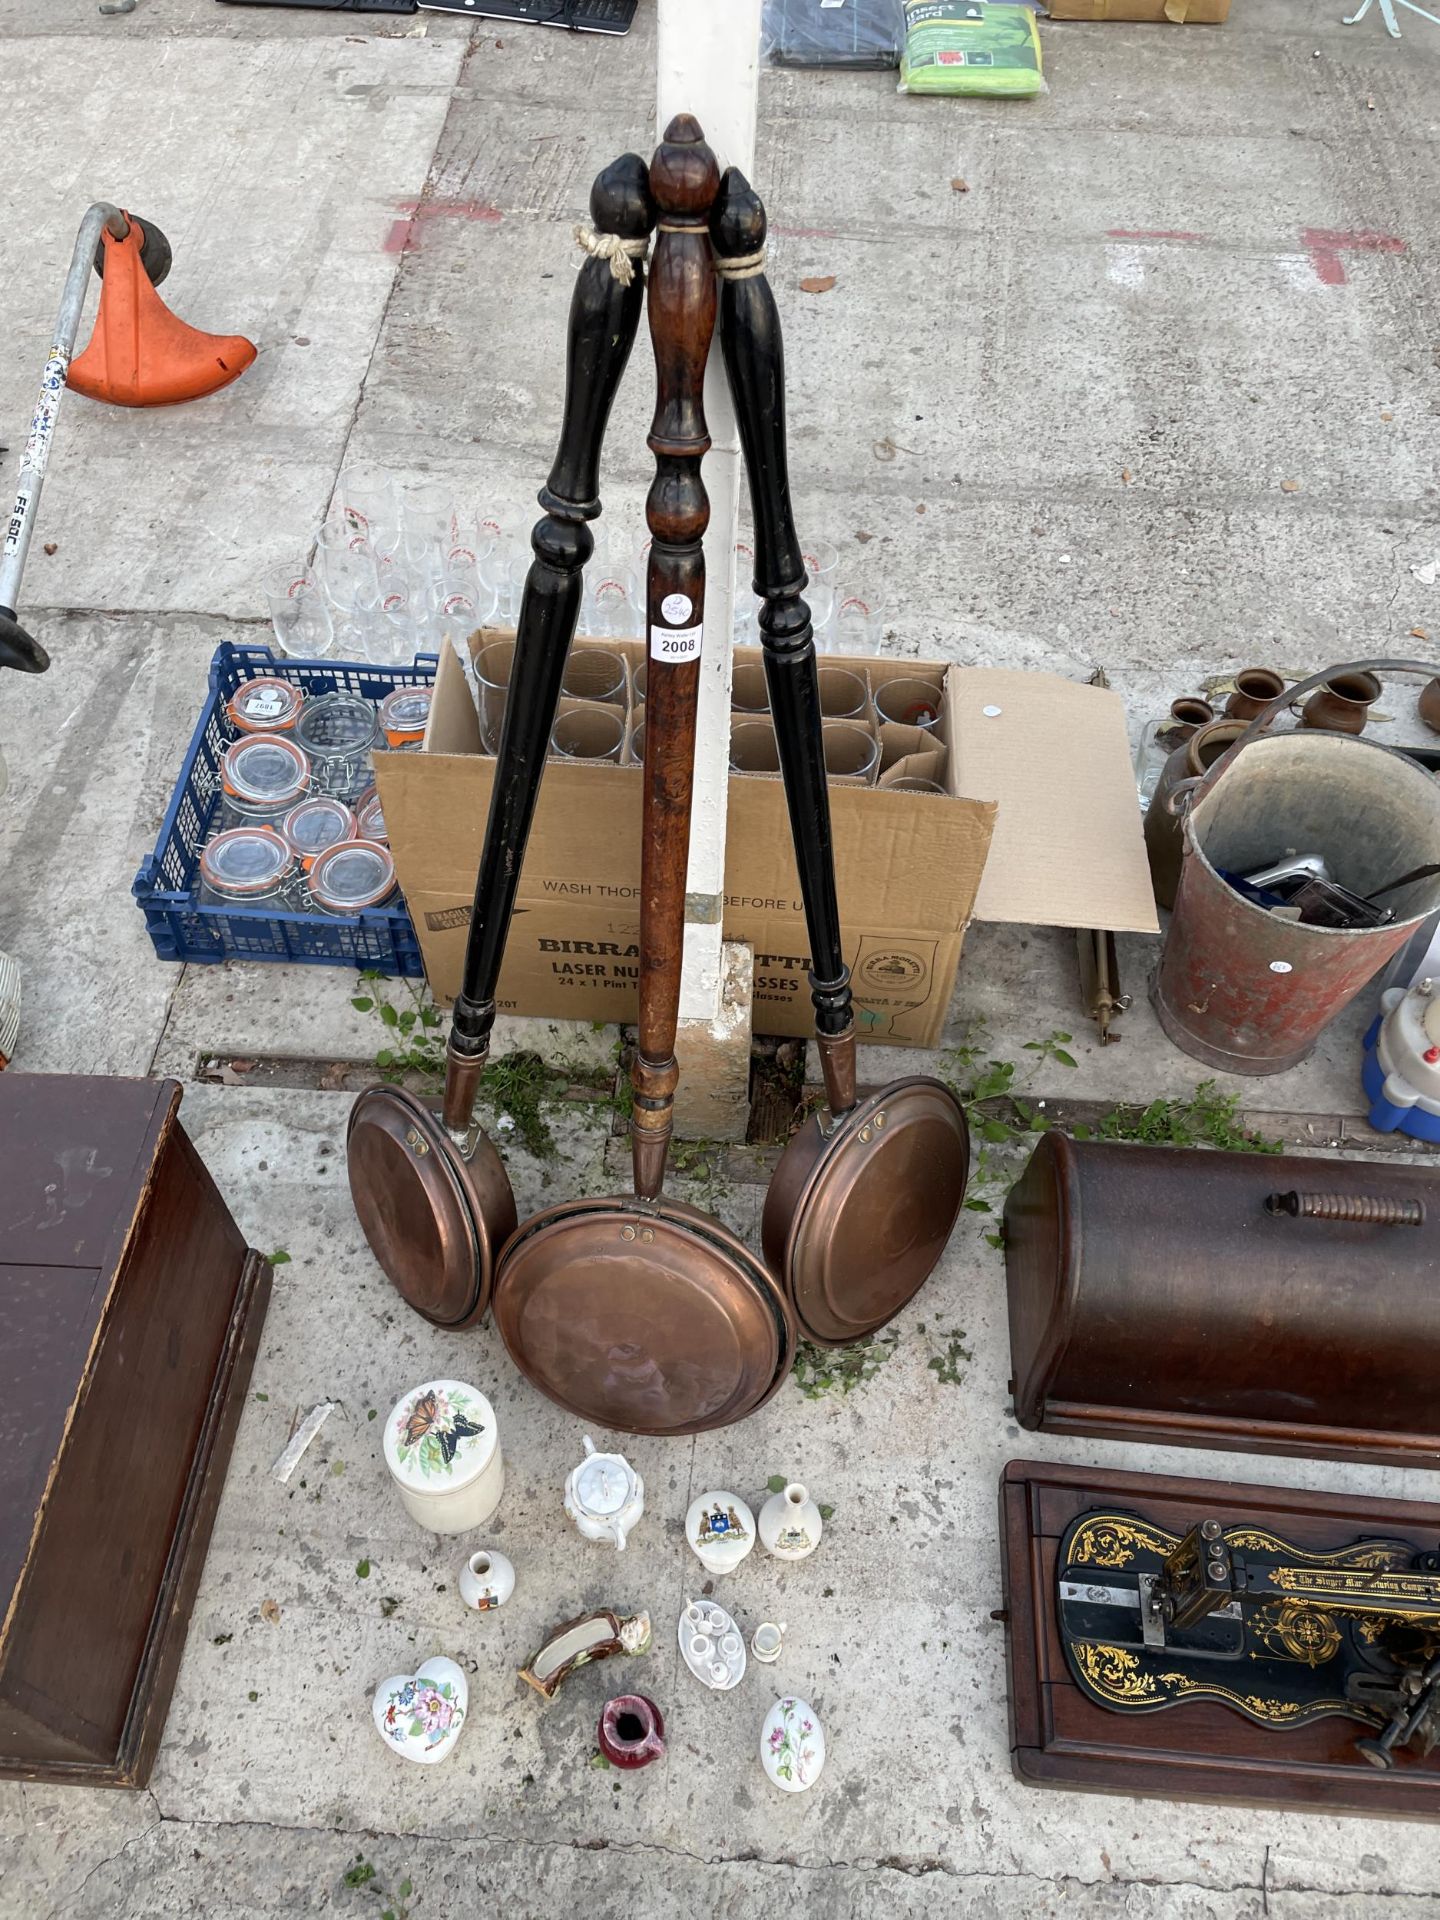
{"x":604,"y":1495}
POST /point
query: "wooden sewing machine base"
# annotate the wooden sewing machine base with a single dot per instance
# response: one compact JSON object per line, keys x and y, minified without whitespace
{"x":1200,"y":1750}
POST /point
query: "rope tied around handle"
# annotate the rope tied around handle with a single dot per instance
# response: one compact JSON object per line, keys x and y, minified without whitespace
{"x":744,"y":266}
{"x":614,"y":247}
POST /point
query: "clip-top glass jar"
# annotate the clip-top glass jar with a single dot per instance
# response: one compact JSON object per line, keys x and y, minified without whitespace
{"x":403,"y":715}
{"x":245,"y":867}
{"x":356,"y":876}
{"x":317,"y":823}
{"x":338,"y":731}
{"x":265,"y":705}
{"x":262,"y":776}
{"x":370,"y":818}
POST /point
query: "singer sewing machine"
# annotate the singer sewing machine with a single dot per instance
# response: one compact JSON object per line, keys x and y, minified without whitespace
{"x":1209,"y":1640}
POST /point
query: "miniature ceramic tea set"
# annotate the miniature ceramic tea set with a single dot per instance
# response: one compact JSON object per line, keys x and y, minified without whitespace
{"x":442,"y":1449}
{"x":711,"y":1645}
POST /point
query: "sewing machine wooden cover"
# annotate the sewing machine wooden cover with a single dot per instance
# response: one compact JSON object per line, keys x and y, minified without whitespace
{"x":1201,"y":1749}
{"x":1273,"y":1303}
{"x":130,"y":1308}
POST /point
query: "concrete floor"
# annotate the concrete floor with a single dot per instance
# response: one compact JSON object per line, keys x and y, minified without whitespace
{"x":1062,"y":405}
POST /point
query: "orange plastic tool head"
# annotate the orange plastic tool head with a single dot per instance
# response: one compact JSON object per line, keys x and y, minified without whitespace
{"x":143,"y":355}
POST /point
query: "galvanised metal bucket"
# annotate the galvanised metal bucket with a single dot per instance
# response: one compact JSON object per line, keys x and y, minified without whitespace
{"x":1237,"y":987}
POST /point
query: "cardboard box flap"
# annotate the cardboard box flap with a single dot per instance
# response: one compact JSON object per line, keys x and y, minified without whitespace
{"x":1068,"y":849}
{"x":887,"y":851}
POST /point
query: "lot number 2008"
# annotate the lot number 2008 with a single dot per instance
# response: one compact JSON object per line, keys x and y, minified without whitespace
{"x":675,"y":644}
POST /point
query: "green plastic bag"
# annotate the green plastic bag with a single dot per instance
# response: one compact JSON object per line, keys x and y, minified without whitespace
{"x":969,"y":46}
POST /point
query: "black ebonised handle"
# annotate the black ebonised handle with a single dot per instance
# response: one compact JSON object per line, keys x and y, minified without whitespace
{"x":755,"y":362}
{"x":604,"y":318}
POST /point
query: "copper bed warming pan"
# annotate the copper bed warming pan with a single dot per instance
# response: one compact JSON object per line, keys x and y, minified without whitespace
{"x":867,"y":1193}
{"x":638,"y":1313}
{"x":432,"y":1194}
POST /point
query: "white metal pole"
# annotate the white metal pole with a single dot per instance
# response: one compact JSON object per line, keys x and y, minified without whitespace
{"x":708,"y":63}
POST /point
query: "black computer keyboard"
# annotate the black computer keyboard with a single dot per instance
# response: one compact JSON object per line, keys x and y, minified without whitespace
{"x":581,"y":16}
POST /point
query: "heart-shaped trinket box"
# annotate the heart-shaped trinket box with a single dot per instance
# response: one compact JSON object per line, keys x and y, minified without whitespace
{"x":420,"y":1714}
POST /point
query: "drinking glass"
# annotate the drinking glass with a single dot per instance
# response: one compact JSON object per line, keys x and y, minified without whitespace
{"x":299,"y":612}
{"x":748,"y":691}
{"x":637,"y":743}
{"x":913,"y":785}
{"x":850,"y":751}
{"x":842,"y":694}
{"x":859,"y":624}
{"x":909,"y":701}
{"x":821,"y":562}
{"x":426,"y":510}
{"x":594,"y":673}
{"x":611,"y":604}
{"x":589,"y":733}
{"x":753,"y":747}
{"x":367,"y":502}
{"x":492,"y":676}
{"x":821,"y":602}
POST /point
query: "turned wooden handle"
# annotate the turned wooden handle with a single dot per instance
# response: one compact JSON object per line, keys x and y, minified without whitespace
{"x":755,"y":362}
{"x":604,"y":319}
{"x":683,"y":179}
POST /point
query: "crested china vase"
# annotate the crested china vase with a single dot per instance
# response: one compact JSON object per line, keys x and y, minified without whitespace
{"x":790,"y":1524}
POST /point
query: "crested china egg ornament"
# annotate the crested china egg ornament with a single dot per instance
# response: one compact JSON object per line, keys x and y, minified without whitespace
{"x":604,"y":1496}
{"x":721,"y":1529}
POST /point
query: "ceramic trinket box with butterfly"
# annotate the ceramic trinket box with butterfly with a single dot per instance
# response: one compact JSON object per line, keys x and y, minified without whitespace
{"x":443,"y":1451}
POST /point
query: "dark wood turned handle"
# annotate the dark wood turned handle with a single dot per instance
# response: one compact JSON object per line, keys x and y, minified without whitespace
{"x":754,"y":354}
{"x":683,"y":179}
{"x":604,"y":319}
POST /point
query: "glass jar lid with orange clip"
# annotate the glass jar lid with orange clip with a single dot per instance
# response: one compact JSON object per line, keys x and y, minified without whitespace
{"x":263,"y":775}
{"x":266,"y":704}
{"x":403,"y":715}
{"x":354,"y":876}
{"x":245,"y":867}
{"x":317,"y":823}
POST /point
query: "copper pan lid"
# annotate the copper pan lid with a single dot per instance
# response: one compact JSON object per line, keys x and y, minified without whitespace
{"x":644,"y":1317}
{"x":856,"y":1218}
{"x":432,"y":1215}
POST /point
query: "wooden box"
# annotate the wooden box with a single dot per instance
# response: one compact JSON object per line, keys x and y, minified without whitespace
{"x":1201,"y":1750}
{"x":1159,"y":1294}
{"x":130,"y":1308}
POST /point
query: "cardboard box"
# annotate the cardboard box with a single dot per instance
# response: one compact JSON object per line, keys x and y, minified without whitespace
{"x":1043,"y":785}
{"x":1199,"y":13}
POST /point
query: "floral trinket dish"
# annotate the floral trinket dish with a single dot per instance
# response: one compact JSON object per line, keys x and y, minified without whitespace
{"x":792,"y":1745}
{"x":420,"y":1714}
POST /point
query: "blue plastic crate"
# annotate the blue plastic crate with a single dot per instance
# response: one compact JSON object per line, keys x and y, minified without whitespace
{"x":166,"y":885}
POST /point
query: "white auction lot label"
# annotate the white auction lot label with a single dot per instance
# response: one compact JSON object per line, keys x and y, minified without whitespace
{"x":675,"y":644}
{"x":675,"y":609}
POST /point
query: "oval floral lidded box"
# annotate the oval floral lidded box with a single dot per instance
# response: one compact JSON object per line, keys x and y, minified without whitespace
{"x":442,"y":1447}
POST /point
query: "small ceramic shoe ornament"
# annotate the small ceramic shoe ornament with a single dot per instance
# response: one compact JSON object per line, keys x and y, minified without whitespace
{"x":711,"y":1645}
{"x":790,"y":1524}
{"x":420,"y":1714}
{"x":487,"y":1580}
{"x":604,"y":1496}
{"x":631,"y":1732}
{"x":721,"y":1529}
{"x":792,"y":1745}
